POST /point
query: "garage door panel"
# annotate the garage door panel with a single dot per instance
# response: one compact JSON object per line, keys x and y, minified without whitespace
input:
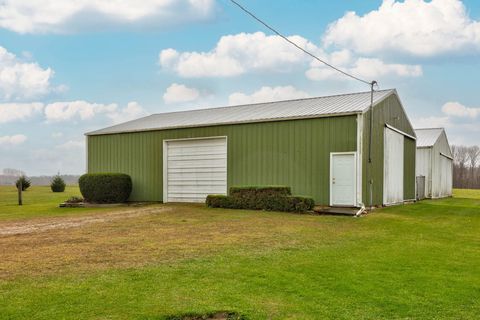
{"x":198,"y":182}
{"x":192,"y":148}
{"x":197,"y":177}
{"x":187,"y":163}
{"x":187,"y":199}
{"x":196,"y":149}
{"x":393,"y":167}
{"x":195,"y":169}
{"x":445,"y":176}
{"x":199,"y":190}
{"x":181,"y":157}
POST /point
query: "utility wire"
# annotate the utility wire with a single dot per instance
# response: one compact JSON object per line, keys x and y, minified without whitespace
{"x":297,"y":46}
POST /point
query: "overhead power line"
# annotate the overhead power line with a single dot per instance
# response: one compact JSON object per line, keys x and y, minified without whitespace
{"x":297,"y":46}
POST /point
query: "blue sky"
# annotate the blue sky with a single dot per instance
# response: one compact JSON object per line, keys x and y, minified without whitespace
{"x":67,"y":69}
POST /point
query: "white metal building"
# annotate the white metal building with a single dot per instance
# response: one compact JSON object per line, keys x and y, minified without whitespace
{"x":434,"y":162}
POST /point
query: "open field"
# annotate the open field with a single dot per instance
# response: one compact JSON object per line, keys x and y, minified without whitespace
{"x":38,"y":201}
{"x":418,"y":261}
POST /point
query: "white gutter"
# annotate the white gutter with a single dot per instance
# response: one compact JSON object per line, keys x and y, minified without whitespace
{"x":400,"y":131}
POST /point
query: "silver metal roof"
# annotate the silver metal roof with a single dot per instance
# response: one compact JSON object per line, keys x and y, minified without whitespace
{"x":428,"y":136}
{"x":261,"y":112}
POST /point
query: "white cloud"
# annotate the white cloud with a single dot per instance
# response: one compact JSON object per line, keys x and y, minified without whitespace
{"x":132,"y":111}
{"x":237,"y":54}
{"x":456,"y":109}
{"x":266,"y":94}
{"x":72,"y":145}
{"x":12,"y":140}
{"x":22,"y":80}
{"x":69,"y":110}
{"x":60,"y":16}
{"x":431,"y":122}
{"x":83,"y":110}
{"x":180,"y":93}
{"x":414,"y":27}
{"x":366,"y":68}
{"x":461,"y":121}
{"x":10,"y":112}
{"x":61,"y":111}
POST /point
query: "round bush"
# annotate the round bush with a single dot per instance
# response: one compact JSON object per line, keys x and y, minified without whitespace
{"x":105,"y":187}
{"x":57,"y":184}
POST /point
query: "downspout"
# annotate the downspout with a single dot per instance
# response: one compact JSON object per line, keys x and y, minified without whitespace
{"x":360,"y":211}
{"x":370,"y":181}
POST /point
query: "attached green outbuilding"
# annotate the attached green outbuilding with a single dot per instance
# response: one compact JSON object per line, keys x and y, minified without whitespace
{"x":320,"y":147}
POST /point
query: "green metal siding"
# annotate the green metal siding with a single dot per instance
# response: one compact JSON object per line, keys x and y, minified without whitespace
{"x":294,"y":153}
{"x":389,"y":112}
{"x":409,"y":153}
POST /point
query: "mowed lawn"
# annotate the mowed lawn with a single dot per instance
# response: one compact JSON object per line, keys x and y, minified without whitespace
{"x":419,"y":261}
{"x":38,"y":201}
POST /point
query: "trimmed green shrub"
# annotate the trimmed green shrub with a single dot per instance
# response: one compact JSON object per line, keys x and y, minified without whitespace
{"x":259,"y":197}
{"x":270,"y":198}
{"x":105,"y":187}
{"x":300,"y":204}
{"x":26,"y":183}
{"x":270,"y":190}
{"x":57,"y":184}
{"x":219,"y":201}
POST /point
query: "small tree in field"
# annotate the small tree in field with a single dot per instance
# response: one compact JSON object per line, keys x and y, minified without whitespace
{"x":57,"y":184}
{"x":25,"y":182}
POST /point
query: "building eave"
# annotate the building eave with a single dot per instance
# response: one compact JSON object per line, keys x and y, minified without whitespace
{"x":93,"y":133}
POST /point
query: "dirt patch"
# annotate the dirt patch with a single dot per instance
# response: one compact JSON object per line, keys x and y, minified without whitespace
{"x":24,"y":227}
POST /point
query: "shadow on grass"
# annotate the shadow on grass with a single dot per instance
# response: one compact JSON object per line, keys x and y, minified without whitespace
{"x":216,"y":315}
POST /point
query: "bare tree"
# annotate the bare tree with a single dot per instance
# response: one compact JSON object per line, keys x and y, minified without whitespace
{"x":466,"y":166}
{"x":473,"y":157}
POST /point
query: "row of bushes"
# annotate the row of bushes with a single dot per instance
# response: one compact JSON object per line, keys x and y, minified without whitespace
{"x":270,"y":198}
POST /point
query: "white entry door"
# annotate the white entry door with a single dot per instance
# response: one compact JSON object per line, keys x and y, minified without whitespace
{"x":343,"y":177}
{"x":194,"y":168}
{"x":393,"y":167}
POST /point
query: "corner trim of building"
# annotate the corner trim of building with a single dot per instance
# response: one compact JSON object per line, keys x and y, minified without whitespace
{"x":86,"y":154}
{"x":360,"y":159}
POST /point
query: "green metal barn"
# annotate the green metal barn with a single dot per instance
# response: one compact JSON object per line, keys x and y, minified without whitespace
{"x":320,"y":147}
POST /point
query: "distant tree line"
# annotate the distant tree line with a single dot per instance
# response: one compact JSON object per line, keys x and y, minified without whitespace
{"x":466,"y":167}
{"x":9,"y":176}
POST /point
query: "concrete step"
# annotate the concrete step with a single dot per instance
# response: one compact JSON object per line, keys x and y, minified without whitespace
{"x":344,"y":211}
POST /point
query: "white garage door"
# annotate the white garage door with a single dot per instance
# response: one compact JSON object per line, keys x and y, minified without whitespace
{"x":445,"y":176}
{"x":194,"y":169}
{"x":393,"y":167}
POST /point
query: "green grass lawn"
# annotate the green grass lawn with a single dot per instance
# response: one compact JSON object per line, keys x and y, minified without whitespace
{"x":418,"y":261}
{"x":38,"y":201}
